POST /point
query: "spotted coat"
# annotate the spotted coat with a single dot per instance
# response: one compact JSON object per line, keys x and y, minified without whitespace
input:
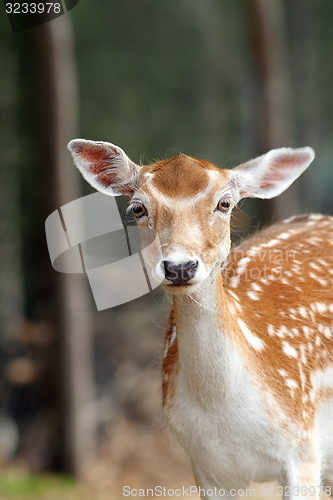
{"x":278,"y":287}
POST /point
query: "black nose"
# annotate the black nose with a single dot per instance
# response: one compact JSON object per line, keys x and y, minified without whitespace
{"x":181,"y":273}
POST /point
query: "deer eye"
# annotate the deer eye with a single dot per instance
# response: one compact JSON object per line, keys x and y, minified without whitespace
{"x":139,"y":210}
{"x":224,"y":205}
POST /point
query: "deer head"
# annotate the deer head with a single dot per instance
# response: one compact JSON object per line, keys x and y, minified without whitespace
{"x":187,"y":202}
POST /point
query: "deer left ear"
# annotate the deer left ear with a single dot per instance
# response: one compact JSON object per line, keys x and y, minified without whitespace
{"x":105,"y":166}
{"x":272,"y":173}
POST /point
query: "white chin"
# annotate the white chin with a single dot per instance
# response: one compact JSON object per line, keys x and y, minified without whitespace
{"x":181,"y":289}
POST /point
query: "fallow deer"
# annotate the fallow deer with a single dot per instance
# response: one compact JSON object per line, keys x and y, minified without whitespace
{"x":248,"y":365}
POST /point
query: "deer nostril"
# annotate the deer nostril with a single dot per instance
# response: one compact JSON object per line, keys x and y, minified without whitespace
{"x":191,"y":264}
{"x":180,"y":273}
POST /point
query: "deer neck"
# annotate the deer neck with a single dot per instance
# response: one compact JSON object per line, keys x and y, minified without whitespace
{"x":208,"y":360}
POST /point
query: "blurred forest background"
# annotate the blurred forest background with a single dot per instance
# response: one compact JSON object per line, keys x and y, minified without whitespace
{"x":220,"y":80}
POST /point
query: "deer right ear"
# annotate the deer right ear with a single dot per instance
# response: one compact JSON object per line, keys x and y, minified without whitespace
{"x":105,"y":166}
{"x":272,"y":173}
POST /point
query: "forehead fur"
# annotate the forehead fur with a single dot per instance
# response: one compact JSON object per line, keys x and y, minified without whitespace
{"x":180,"y":176}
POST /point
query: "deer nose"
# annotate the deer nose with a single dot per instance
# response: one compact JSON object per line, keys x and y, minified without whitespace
{"x":181,"y":273}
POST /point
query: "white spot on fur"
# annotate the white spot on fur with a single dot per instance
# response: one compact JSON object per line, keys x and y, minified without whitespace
{"x":242,"y":264}
{"x":321,"y":307}
{"x":234,"y":281}
{"x":307,"y":331}
{"x":327,"y":332}
{"x":271,"y":243}
{"x":295,"y":331}
{"x":252,"y":295}
{"x":302,"y":352}
{"x":253,"y":340}
{"x":290,"y":219}
{"x":284,"y":236}
{"x":315,"y":216}
{"x":254,"y":250}
{"x":291,"y":383}
{"x":289,"y":350}
{"x":270,"y":330}
{"x":282,"y":331}
{"x":233,"y":295}
{"x":302,"y":312}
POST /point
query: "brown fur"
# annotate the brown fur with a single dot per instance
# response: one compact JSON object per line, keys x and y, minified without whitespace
{"x":290,"y":291}
{"x":249,"y":343}
{"x":287,"y":286}
{"x":181,"y":176}
{"x":170,"y":363}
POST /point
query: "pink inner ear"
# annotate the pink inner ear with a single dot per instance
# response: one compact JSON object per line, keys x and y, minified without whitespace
{"x":282,"y":165}
{"x":101,"y":164}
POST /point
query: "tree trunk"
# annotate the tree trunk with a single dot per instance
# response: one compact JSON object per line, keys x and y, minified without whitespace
{"x":272,"y":109}
{"x":11,"y":285}
{"x":57,"y":87}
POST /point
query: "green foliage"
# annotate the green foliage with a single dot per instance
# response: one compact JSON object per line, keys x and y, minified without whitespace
{"x":17,"y":486}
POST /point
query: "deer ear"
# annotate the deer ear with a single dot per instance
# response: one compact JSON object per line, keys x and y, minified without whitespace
{"x":272,"y":173}
{"x":105,"y":166}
